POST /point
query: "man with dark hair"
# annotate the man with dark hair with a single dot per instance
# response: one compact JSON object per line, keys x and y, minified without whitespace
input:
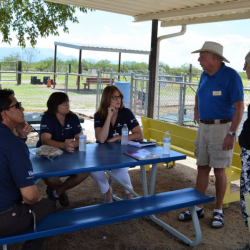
{"x":21,"y":203}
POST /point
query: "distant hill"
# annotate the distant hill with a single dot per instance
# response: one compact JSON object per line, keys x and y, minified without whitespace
{"x":44,"y":54}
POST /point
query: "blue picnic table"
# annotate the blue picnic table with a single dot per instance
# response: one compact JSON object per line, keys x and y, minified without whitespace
{"x":106,"y":157}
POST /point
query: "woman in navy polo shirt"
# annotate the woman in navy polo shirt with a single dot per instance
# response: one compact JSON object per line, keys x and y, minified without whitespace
{"x":60,"y":128}
{"x":109,"y":120}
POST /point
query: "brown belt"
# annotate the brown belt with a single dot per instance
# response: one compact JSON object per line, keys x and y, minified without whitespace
{"x":222,"y":121}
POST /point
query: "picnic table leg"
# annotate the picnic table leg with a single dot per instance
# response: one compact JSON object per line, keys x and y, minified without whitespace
{"x":178,"y":234}
{"x":144,"y":181}
{"x":152,"y":179}
{"x":166,"y":226}
{"x":122,"y":184}
{"x":4,"y":247}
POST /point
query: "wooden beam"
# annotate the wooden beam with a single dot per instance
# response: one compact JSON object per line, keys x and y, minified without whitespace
{"x":54,"y":82}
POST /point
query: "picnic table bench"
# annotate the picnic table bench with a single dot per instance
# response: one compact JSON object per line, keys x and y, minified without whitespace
{"x":93,"y":80}
{"x":97,"y":159}
{"x":103,"y":214}
{"x":182,"y":141}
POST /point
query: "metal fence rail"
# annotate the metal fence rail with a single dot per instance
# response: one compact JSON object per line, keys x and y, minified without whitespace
{"x":174,"y":102}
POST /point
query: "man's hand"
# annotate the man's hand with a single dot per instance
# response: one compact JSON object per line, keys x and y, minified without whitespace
{"x":23,"y":129}
{"x":228,"y":143}
{"x":69,"y":145}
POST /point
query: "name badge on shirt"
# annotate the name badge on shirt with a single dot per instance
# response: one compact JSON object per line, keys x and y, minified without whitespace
{"x":115,"y":134}
{"x":216,"y":93}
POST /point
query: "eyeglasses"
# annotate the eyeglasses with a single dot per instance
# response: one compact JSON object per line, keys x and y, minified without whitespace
{"x":65,"y":103}
{"x":115,"y":97}
{"x":18,"y":105}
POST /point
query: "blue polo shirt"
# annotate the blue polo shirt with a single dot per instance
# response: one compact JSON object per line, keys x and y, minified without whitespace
{"x":51,"y":125}
{"x":217,"y":93}
{"x":15,"y":168}
{"x":125,"y":116}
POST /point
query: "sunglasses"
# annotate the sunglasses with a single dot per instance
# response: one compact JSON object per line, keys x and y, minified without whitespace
{"x":18,"y":105}
{"x":115,"y":97}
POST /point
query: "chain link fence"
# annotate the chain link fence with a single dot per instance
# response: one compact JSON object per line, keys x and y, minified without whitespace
{"x":174,"y":102}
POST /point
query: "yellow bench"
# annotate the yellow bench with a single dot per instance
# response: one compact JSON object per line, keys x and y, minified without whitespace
{"x":182,"y":140}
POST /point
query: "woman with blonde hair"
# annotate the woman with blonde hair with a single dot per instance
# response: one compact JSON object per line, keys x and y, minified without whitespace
{"x":108,"y":121}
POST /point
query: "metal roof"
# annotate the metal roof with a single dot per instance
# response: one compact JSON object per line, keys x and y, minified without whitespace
{"x":171,"y":12}
{"x":103,"y":48}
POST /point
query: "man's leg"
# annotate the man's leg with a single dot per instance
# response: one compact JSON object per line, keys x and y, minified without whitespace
{"x":41,"y":210}
{"x":19,"y":219}
{"x":202,"y":179}
{"x":220,"y":185}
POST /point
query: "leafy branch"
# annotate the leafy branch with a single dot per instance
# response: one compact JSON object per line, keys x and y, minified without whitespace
{"x":33,"y":18}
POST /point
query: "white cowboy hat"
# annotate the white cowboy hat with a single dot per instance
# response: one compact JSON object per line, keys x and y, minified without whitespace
{"x":213,"y":47}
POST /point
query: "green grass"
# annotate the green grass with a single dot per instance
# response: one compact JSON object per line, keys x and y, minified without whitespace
{"x":36,"y":96}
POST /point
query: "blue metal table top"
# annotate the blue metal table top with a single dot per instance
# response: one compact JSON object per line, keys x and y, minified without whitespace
{"x":97,"y":157}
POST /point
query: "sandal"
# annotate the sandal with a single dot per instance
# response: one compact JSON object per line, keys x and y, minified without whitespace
{"x":186,"y":216}
{"x":218,"y":220}
{"x":111,"y":195}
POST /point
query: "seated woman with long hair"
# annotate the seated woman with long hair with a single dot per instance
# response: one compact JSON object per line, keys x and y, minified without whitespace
{"x":60,"y":128}
{"x":109,"y":120}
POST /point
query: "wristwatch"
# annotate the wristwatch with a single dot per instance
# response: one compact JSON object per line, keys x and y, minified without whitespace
{"x":232,"y":133}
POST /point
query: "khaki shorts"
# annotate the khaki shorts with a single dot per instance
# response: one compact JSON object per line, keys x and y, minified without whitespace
{"x":208,"y":146}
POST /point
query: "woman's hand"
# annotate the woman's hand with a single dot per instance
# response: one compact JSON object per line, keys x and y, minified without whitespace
{"x":69,"y":145}
{"x":114,"y":139}
{"x":111,"y":110}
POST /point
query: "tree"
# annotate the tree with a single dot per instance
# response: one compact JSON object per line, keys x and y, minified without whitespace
{"x":13,"y":57}
{"x":30,"y":56}
{"x":34,"y":18}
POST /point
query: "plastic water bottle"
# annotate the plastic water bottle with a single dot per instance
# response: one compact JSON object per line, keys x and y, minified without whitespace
{"x":124,"y":140}
{"x":166,"y":143}
{"x":82,"y":141}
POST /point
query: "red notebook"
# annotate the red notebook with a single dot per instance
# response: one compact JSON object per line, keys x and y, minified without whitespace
{"x":141,"y":154}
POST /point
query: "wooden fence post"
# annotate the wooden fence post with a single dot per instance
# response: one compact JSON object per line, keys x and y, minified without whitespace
{"x":190,"y":73}
{"x":19,"y":75}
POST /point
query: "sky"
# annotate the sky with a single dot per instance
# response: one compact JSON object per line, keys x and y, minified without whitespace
{"x":99,"y":28}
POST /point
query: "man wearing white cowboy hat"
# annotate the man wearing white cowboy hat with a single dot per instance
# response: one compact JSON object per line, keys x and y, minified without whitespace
{"x":219,"y":108}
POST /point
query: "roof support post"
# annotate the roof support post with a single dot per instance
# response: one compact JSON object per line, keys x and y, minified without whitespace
{"x":152,"y":69}
{"x":79,"y":69}
{"x":119,"y":65}
{"x":54,"y":82}
{"x":159,"y":39}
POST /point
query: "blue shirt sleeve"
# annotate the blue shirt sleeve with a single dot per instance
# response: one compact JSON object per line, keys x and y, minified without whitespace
{"x":46,"y":125}
{"x":20,"y":165}
{"x":235,"y":88}
{"x":98,"y":123}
